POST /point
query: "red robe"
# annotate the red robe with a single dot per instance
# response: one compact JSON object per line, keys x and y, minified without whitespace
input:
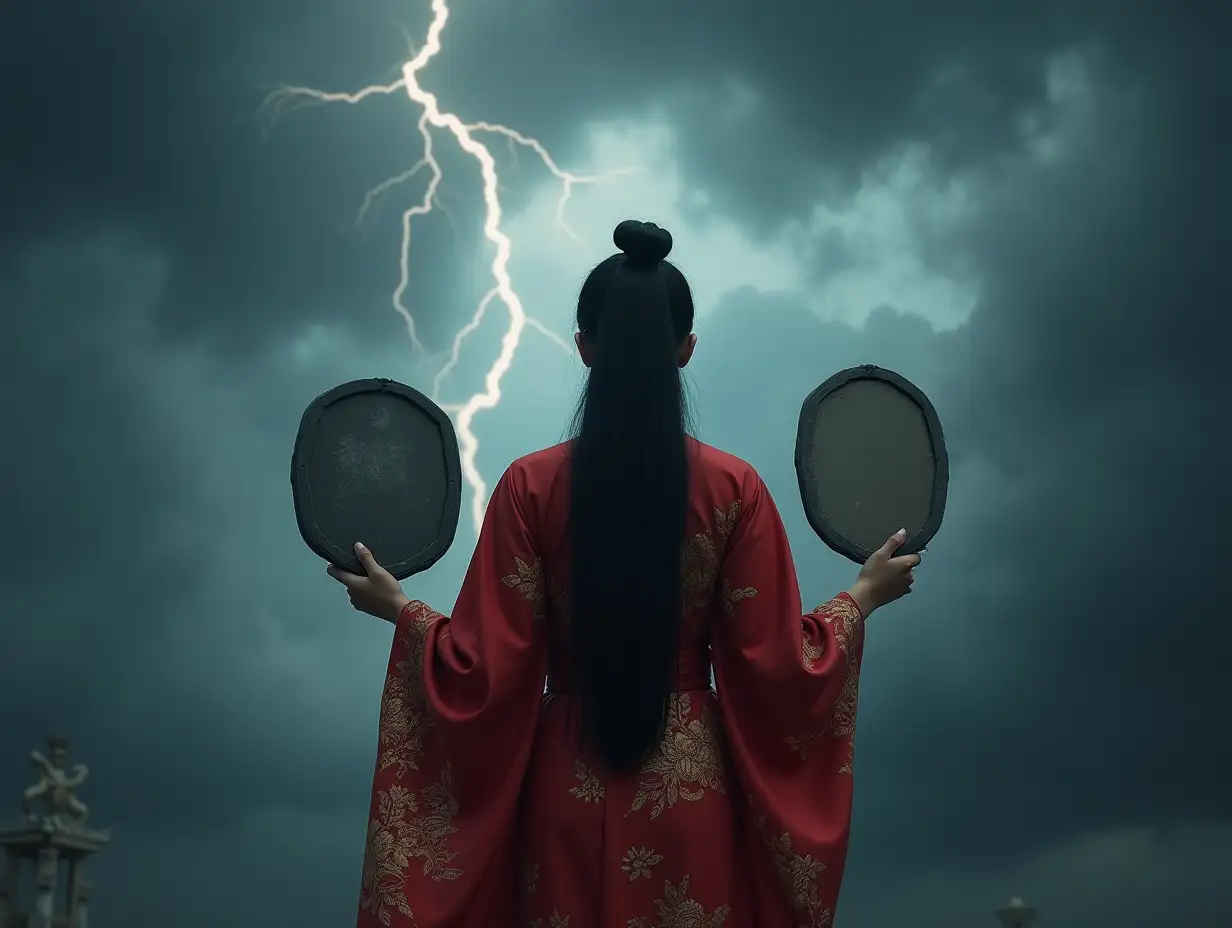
{"x":486,"y":814}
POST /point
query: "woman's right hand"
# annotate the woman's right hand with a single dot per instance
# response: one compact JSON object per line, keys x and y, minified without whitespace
{"x":884,"y":577}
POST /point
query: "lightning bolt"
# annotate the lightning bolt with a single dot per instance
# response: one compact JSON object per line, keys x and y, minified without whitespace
{"x":467,"y":137}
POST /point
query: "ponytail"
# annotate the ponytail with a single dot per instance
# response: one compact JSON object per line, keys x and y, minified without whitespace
{"x":630,"y":486}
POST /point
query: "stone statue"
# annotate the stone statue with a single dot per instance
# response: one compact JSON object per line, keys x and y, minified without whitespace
{"x":56,"y":788}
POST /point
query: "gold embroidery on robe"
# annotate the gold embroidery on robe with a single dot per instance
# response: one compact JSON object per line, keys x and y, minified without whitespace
{"x":798,"y":876}
{"x":530,"y":883}
{"x":422,"y":620}
{"x":407,"y":827}
{"x":528,"y":878}
{"x":556,"y":921}
{"x":725,"y":523}
{"x":638,"y":862}
{"x":850,"y":623}
{"x":402,"y":725}
{"x":403,"y":721}
{"x":687,"y":762}
{"x":699,"y":564}
{"x":733,"y":595}
{"x":851,"y":757}
{"x":802,"y":744}
{"x":810,"y":652}
{"x":677,"y":910}
{"x":528,"y":580}
{"x":848,"y":630}
{"x":843,"y":724}
{"x":845,"y":708}
{"x":701,"y":558}
{"x":591,"y":788}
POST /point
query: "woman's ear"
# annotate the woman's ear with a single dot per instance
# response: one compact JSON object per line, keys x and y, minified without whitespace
{"x":582,"y":347}
{"x":686,"y":348}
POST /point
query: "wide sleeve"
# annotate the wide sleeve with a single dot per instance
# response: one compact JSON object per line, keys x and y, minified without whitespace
{"x":787,"y":684}
{"x":457,"y":724}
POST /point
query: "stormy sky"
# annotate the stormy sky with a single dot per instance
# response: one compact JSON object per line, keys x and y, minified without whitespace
{"x":1021,"y":206}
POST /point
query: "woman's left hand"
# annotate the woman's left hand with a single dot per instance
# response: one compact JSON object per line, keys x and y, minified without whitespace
{"x":375,"y":591}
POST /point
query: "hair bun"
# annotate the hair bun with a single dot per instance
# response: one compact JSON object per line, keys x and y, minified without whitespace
{"x":643,"y":242}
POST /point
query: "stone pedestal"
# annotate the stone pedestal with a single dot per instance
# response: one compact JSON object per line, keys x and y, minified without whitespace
{"x":44,"y":884}
{"x":38,"y":891}
{"x":1016,"y":914}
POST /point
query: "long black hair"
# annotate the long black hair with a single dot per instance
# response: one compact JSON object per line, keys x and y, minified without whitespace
{"x":630,"y":485}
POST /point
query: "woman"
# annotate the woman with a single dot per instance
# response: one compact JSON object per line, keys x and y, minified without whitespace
{"x":621,"y":567}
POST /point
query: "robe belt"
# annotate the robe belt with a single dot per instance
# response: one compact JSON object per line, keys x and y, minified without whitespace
{"x":693,"y":673}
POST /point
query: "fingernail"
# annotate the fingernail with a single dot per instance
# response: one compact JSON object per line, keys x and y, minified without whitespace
{"x":359,"y":547}
{"x":902,"y":532}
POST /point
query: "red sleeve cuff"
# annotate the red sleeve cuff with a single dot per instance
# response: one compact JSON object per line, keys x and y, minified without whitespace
{"x":851,"y":599}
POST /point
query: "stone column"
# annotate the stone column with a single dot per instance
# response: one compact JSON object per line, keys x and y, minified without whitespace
{"x":9,"y":889}
{"x":81,"y":900}
{"x":44,"y":909}
{"x":1017,"y":914}
{"x":75,"y":872}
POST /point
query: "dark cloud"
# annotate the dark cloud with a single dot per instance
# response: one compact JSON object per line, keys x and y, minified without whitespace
{"x":1048,"y":701}
{"x":155,"y":119}
{"x":1082,"y":404}
{"x":121,"y":575}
